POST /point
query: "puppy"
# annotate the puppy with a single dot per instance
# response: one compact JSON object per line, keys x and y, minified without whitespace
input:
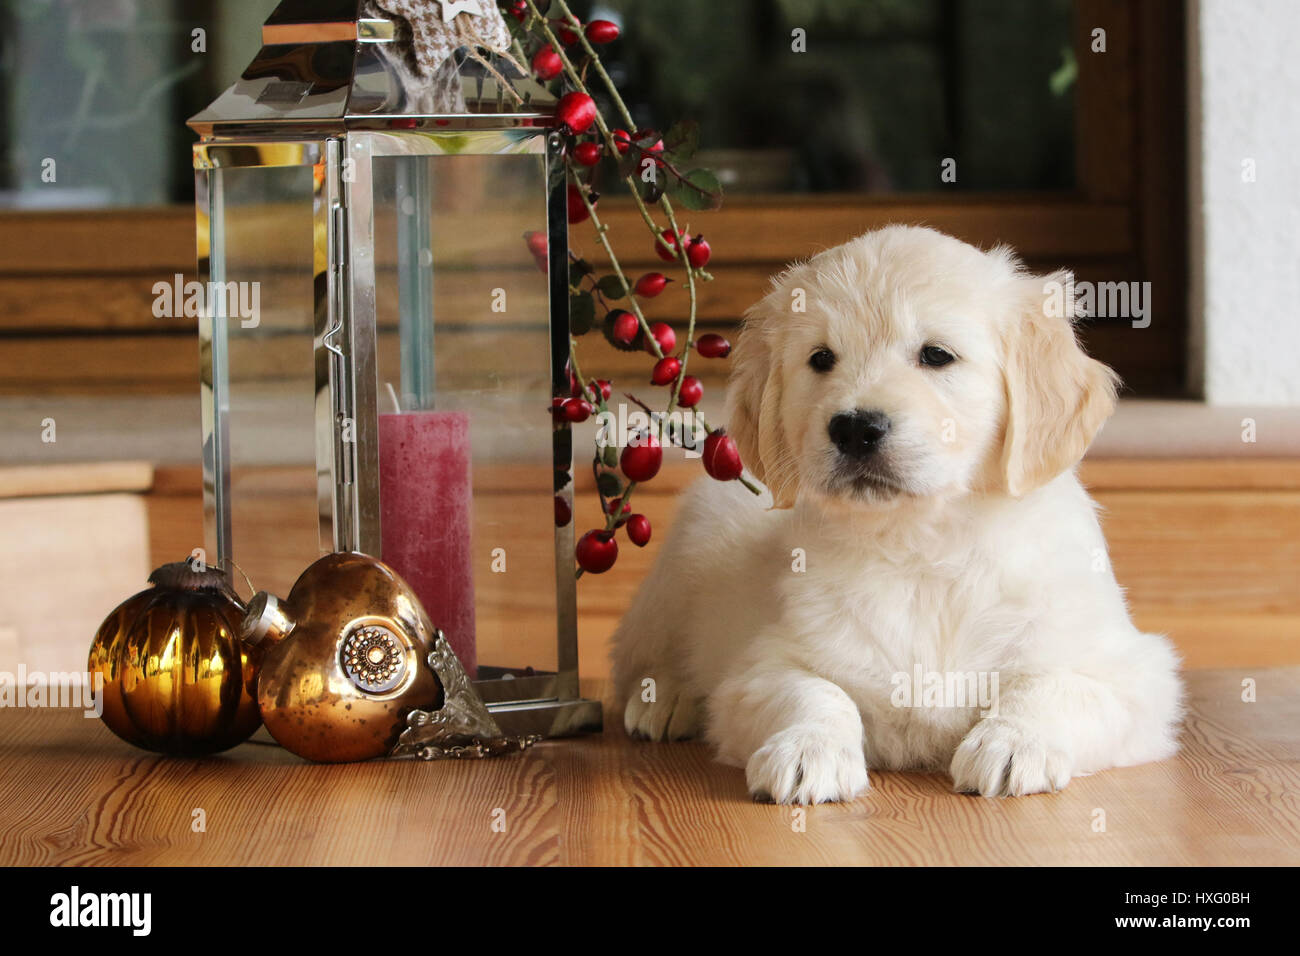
{"x":917,"y":414}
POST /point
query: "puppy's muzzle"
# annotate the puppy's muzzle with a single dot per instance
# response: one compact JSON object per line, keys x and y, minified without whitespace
{"x":858,"y":434}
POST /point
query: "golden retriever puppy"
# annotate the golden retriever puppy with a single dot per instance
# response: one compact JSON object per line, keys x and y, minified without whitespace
{"x":925,"y":585}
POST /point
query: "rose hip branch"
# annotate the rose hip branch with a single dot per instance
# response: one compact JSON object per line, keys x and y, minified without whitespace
{"x":562,"y":49}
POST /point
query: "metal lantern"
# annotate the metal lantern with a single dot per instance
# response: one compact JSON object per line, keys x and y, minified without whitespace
{"x":382,"y":335}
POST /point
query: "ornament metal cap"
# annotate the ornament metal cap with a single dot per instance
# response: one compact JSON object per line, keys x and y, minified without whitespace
{"x":265,"y":620}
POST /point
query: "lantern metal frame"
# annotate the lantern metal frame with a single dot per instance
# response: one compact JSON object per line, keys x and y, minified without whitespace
{"x":337,"y":115}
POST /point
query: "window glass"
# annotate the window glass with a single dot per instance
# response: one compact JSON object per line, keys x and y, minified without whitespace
{"x":884,"y":92}
{"x":94,"y":95}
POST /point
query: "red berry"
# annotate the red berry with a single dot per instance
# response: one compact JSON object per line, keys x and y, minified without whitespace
{"x":655,"y":151}
{"x":519,"y":10}
{"x":641,"y":461}
{"x":547,"y":64}
{"x":698,"y":252}
{"x":665,"y":371}
{"x":536,"y":243}
{"x":663,"y":334}
{"x":577,"y":208}
{"x":596,"y":551}
{"x":651,"y":284}
{"x":638,"y":530}
{"x":576,"y":111}
{"x":668,"y":254}
{"x":595,"y":387}
{"x":565,"y":32}
{"x":622,"y":140}
{"x":689,"y":395}
{"x":563,"y":513}
{"x":587,"y":154}
{"x":624,"y":328}
{"x":721,"y":457}
{"x":571,"y":409}
{"x":601,"y":31}
{"x":713,"y":346}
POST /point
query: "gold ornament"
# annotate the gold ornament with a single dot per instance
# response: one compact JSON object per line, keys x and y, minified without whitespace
{"x":353,"y":668}
{"x":176,"y":677}
{"x":344,"y":659}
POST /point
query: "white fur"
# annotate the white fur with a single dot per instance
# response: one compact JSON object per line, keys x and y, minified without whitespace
{"x":981,"y":552}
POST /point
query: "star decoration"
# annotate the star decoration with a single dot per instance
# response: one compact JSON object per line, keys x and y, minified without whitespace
{"x":450,"y":8}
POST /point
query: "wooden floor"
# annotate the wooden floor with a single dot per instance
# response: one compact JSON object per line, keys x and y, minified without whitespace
{"x":1209,"y":552}
{"x":72,"y":793}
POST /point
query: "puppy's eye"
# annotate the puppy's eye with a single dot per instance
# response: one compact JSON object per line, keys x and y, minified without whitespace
{"x":823,"y":360}
{"x":936,"y":357}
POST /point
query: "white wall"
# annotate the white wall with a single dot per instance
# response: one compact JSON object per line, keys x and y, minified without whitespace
{"x":1244,"y":74}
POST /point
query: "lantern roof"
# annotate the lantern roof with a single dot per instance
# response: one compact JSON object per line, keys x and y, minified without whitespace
{"x":326,"y":67}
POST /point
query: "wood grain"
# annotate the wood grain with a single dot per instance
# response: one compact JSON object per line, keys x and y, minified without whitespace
{"x":1190,"y":474}
{"x":150,"y":240}
{"x":82,"y":478}
{"x":72,"y":793}
{"x":77,"y":312}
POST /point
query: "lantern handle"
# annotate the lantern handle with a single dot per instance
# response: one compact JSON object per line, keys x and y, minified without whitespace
{"x":336,"y":324}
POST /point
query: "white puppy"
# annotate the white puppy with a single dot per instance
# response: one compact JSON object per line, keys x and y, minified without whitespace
{"x":918,"y":423}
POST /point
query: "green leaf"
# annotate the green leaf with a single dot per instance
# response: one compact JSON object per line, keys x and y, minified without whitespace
{"x":698,"y":189}
{"x":682,"y":140}
{"x":610,"y":286}
{"x":609,"y":455}
{"x":629,"y":164}
{"x":582,"y":313}
{"x":609,"y":484}
{"x":578,"y":269}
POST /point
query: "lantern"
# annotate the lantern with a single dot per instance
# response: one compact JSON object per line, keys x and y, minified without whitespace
{"x":384,"y":327}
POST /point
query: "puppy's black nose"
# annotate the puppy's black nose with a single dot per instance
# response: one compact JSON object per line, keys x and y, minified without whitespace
{"x":857,"y":433}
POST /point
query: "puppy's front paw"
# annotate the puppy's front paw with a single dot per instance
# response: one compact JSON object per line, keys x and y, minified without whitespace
{"x":672,"y":715}
{"x":1003,"y":757}
{"x":803,"y":765}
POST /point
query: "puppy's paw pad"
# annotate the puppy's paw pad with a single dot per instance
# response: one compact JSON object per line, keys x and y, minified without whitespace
{"x":672,"y":715}
{"x":807,"y":766}
{"x":1002,"y":757}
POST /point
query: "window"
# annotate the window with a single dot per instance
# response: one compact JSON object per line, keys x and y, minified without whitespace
{"x":1067,"y":147}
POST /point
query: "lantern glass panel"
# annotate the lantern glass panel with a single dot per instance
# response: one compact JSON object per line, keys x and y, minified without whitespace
{"x":259,"y":370}
{"x":463,"y":346}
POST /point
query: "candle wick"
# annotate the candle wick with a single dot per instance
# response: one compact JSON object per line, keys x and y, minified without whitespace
{"x":392,"y":394}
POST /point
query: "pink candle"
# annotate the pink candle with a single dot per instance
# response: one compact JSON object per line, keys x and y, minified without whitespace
{"x":425,"y":500}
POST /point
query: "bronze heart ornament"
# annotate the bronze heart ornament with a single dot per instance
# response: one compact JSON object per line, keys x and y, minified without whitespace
{"x":352,"y":668}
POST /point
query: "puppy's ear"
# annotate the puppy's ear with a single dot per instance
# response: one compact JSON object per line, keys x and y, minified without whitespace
{"x":754,"y":393}
{"x":1057,"y":397}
